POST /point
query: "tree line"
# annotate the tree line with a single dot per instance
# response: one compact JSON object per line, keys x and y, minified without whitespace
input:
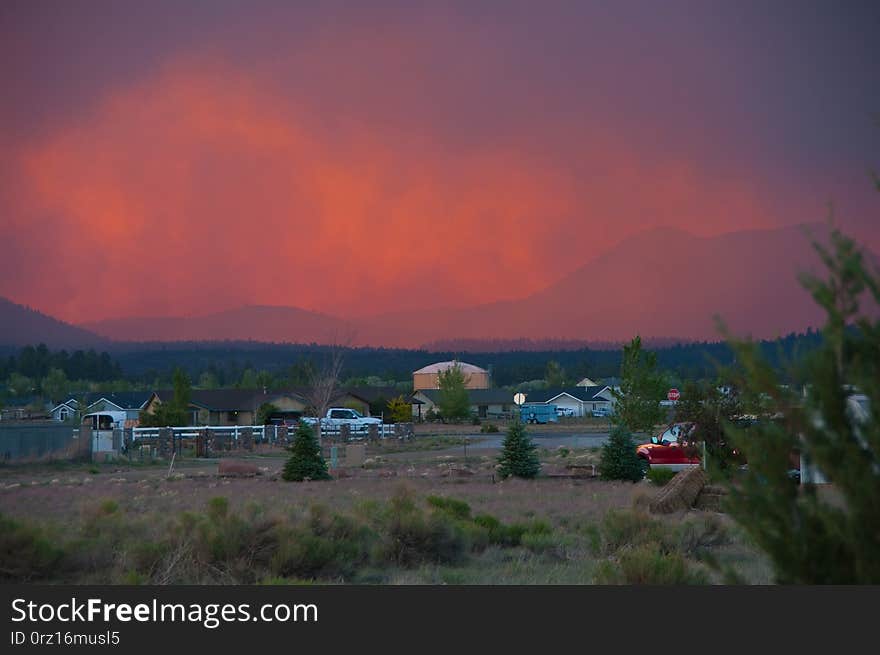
{"x":289,"y":364}
{"x":36,"y":362}
{"x":39,"y":371}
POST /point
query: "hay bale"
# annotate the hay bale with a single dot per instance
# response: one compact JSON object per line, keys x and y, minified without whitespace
{"x":680,"y":492}
{"x":232,"y":468}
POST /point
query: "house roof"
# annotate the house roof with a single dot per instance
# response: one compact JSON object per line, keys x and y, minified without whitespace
{"x":372,"y":394}
{"x":584,"y":394}
{"x":231,"y":400}
{"x":442,"y":366}
{"x":69,"y":404}
{"x":475,"y":396}
{"x":122,"y":399}
{"x":237,"y":400}
{"x":361,"y":393}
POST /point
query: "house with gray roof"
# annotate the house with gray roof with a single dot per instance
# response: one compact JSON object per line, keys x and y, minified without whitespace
{"x":581,"y":400}
{"x":130,"y":402}
{"x":66,"y":411}
{"x":223,"y":407}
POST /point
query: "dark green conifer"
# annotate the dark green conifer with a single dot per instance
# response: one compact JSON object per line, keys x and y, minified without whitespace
{"x":306,"y":462}
{"x":619,"y":460}
{"x":518,"y":457}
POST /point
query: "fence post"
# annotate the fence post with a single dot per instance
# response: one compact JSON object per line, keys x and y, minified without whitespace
{"x":247,"y":438}
{"x":403,"y":431}
{"x":85,"y":446}
{"x":166,"y":435}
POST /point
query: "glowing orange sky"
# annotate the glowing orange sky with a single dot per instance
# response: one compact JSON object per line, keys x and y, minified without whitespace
{"x":319,"y":181}
{"x":199,"y":190}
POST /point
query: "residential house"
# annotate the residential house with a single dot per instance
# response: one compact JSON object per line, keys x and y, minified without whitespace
{"x":375,"y":398}
{"x":360,"y":399}
{"x":221,"y":407}
{"x":130,"y":402}
{"x":242,"y":406}
{"x":64,"y":411}
{"x":288,"y":406}
{"x":581,"y":400}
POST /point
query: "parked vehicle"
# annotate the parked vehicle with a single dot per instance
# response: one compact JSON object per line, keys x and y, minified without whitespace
{"x":564,"y":411}
{"x":538,"y":413}
{"x":600,"y":413}
{"x":336,"y":417}
{"x":672,"y":448}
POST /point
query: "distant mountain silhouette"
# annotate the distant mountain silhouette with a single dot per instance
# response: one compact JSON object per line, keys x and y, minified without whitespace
{"x":22,"y":326}
{"x":661,"y":283}
{"x":664,"y":284}
{"x":249,"y":323}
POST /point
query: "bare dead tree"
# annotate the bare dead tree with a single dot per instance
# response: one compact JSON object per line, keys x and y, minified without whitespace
{"x":324,"y":379}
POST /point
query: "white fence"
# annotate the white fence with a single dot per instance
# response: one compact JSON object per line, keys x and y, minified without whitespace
{"x":384,"y":430}
{"x":259,"y":433}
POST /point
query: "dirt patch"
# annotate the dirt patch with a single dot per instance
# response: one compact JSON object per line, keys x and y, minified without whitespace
{"x":237,"y":469}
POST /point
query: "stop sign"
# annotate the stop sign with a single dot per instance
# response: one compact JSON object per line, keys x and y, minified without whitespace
{"x":672,"y":395}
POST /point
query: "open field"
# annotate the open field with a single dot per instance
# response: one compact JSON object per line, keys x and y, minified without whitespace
{"x":381,"y":523}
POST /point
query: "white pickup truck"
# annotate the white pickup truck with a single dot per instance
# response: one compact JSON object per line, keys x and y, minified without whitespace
{"x":339,"y":416}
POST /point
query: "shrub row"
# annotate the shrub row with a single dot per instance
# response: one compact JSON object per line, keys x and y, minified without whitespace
{"x":222,"y":546}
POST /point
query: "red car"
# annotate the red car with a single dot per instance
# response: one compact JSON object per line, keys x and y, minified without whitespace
{"x":671,"y":448}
